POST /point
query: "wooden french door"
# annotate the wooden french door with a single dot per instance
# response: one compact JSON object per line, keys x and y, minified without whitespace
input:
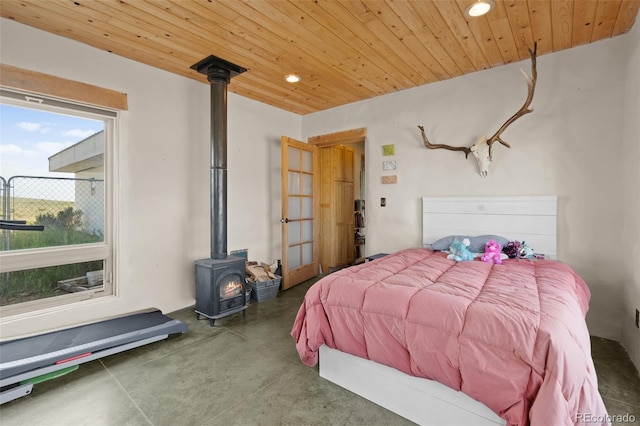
{"x":300,"y":207}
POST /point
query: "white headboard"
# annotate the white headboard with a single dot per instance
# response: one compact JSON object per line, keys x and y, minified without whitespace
{"x":531,"y":219}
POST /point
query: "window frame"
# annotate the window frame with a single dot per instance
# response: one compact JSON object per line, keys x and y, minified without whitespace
{"x":15,"y":260}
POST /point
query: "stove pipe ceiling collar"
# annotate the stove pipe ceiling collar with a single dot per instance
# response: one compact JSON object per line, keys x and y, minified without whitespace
{"x":219,"y":72}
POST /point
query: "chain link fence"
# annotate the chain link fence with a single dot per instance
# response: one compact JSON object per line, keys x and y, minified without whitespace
{"x":72,"y":203}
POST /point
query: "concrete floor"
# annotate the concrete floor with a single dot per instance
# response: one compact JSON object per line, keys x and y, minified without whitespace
{"x":243,"y":371}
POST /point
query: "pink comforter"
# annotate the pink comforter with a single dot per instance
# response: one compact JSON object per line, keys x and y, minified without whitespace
{"x":511,"y":336}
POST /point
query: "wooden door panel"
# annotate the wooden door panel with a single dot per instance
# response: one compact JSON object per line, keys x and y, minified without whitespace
{"x":348,"y":165}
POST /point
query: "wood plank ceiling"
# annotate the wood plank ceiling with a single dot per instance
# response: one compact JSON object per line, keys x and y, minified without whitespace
{"x":345,"y":51}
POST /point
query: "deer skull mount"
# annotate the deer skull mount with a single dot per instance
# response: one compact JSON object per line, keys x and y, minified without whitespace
{"x":482,"y":153}
{"x":481,"y":150}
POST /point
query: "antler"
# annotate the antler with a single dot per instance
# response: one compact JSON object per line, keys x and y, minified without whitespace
{"x":531,"y":84}
{"x":430,"y":145}
{"x":524,"y":109}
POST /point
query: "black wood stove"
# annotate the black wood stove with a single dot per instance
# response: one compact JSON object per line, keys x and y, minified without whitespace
{"x":220,"y":280}
{"x":220,"y":287}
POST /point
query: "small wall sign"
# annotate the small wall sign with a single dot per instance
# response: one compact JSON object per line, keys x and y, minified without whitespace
{"x":388,"y":165}
{"x":388,"y":150}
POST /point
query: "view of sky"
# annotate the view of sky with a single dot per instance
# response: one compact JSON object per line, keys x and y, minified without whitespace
{"x":28,"y":137}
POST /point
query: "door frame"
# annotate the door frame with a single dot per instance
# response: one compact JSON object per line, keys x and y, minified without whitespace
{"x":345,"y":137}
{"x":339,"y":138}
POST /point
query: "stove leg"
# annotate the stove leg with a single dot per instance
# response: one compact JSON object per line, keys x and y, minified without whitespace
{"x":211,"y":320}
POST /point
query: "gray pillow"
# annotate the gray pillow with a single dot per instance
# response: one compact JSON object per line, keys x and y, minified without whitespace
{"x":445,"y":242}
{"x":477,"y":243}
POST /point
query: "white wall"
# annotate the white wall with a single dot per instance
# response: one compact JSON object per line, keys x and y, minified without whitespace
{"x":630,"y":246}
{"x":164,"y":175}
{"x":569,"y":146}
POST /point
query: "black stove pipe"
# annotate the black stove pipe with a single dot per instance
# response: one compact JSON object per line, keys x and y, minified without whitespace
{"x":219,"y":72}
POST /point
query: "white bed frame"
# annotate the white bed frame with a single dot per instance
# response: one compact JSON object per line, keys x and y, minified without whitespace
{"x":426,"y":402}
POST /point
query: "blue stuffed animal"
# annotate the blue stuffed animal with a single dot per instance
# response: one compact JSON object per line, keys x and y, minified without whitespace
{"x":458,"y":251}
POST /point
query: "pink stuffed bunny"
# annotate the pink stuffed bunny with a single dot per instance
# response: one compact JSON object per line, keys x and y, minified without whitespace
{"x":492,"y":252}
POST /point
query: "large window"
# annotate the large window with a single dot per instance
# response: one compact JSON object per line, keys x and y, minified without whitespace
{"x":56,"y":202}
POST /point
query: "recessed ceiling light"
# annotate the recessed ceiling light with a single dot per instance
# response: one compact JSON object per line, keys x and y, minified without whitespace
{"x":292,"y":78}
{"x":479,"y":8}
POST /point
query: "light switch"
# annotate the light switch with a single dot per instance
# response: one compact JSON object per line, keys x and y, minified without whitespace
{"x":383,"y":202}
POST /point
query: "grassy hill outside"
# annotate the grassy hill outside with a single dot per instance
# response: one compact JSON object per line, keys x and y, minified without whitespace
{"x":60,"y":220}
{"x":30,"y":208}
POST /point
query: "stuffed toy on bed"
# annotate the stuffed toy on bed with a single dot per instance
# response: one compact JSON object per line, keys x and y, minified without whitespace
{"x":458,"y":251}
{"x":492,"y":253}
{"x":520,"y":250}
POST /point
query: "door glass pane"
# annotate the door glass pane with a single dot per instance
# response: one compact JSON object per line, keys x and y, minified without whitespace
{"x":307,"y":184}
{"x":294,"y":183}
{"x":307,"y":253}
{"x":307,"y":230}
{"x":294,"y":232}
{"x":307,"y":161}
{"x":294,"y":158}
{"x":294,"y":207}
{"x":307,"y":207}
{"x":294,"y":257}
